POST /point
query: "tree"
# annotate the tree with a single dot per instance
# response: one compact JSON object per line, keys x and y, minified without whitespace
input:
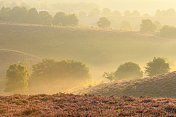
{"x":147,"y":26}
{"x":57,"y":73}
{"x":71,"y":20}
{"x":168,"y":31}
{"x":59,"y":18}
{"x":157,"y":66}
{"x":33,"y":16}
{"x":128,"y":70}
{"x":18,"y":15}
{"x":4,"y":14}
{"x":17,"y":78}
{"x":103,"y":22}
{"x":45,"y":18}
{"x":62,"y":19}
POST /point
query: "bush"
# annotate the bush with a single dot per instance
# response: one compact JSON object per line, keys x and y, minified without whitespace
{"x":128,"y":70}
{"x":50,"y":72}
{"x":157,"y":66}
{"x":17,"y":78}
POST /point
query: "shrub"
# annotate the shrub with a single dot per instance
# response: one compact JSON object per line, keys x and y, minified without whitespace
{"x":157,"y":66}
{"x":17,"y":78}
{"x":128,"y":70}
{"x":51,"y":72}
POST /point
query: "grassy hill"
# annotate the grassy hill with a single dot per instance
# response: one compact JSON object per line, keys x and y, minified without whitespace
{"x":157,"y":86}
{"x":8,"y":57}
{"x":102,"y":50}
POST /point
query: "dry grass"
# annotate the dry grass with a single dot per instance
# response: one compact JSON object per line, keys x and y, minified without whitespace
{"x":157,"y":86}
{"x":9,"y":57}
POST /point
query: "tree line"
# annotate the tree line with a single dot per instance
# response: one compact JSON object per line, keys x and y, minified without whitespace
{"x":131,"y":70}
{"x":46,"y":75}
{"x":50,"y":73}
{"x":32,"y":16}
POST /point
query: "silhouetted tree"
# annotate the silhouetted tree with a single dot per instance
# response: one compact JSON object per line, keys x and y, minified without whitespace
{"x":50,"y":72}
{"x":62,"y":19}
{"x":71,"y":20}
{"x":45,"y":18}
{"x":157,"y":66}
{"x":17,"y":78}
{"x":4,"y":14}
{"x":168,"y":31}
{"x":18,"y":15}
{"x":128,"y":70}
{"x":33,"y":16}
{"x":59,"y":18}
{"x":103,"y":22}
{"x":147,"y":26}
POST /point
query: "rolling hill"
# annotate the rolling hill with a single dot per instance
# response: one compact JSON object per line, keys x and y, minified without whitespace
{"x":158,"y":86}
{"x":8,"y":57}
{"x":101,"y":49}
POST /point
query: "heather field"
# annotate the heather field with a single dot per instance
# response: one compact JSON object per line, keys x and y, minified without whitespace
{"x":157,"y":86}
{"x":62,"y":105}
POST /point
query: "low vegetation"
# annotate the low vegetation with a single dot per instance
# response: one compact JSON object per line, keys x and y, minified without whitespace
{"x":157,"y":86}
{"x":88,"y":105}
{"x":51,"y":75}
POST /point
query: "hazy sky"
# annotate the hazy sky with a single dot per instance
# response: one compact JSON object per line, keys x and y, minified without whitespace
{"x":145,"y":5}
{"x":142,"y":5}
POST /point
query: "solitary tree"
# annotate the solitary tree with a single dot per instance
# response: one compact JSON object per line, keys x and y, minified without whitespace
{"x":17,"y":78}
{"x":128,"y":70}
{"x":147,"y":26}
{"x":103,"y":22}
{"x":157,"y":66}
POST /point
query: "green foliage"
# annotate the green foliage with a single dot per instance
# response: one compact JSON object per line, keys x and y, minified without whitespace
{"x":17,"y":78}
{"x":49,"y":71}
{"x":128,"y":70}
{"x":157,"y":66}
{"x":103,"y":22}
{"x":148,"y":26}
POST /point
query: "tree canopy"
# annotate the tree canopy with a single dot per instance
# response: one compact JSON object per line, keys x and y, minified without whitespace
{"x":17,"y":78}
{"x":157,"y":66}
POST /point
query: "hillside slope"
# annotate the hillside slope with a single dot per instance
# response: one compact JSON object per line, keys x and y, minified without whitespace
{"x":93,"y":46}
{"x":8,"y":57}
{"x":157,"y":86}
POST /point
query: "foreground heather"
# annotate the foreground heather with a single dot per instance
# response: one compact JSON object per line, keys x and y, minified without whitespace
{"x":75,"y":105}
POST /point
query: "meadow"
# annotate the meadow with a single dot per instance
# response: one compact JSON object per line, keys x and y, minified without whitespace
{"x":101,"y":49}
